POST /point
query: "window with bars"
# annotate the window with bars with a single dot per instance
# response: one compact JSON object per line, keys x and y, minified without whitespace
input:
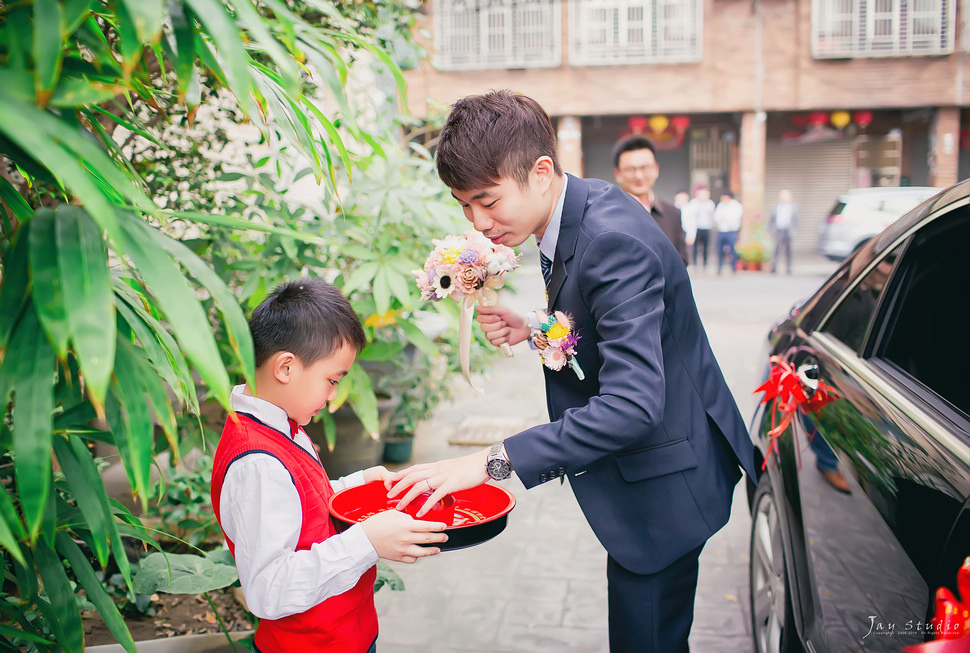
{"x":881,"y":28}
{"x":495,"y":34}
{"x":615,"y":32}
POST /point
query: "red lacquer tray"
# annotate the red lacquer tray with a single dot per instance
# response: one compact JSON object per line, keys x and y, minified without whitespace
{"x":481,"y":512}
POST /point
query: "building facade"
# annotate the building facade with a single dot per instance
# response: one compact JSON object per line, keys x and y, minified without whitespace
{"x":817,"y":96}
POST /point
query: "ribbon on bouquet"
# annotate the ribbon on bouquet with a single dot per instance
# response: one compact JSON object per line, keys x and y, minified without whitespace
{"x":486,"y":297}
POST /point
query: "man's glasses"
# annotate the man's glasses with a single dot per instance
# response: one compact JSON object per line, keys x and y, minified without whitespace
{"x":632,"y":170}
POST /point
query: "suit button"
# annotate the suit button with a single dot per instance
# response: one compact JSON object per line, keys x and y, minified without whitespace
{"x":561,"y":471}
{"x":543,"y":478}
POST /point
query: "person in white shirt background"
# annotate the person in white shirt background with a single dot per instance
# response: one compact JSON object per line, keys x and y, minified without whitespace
{"x":784,"y":221}
{"x":687,"y":221}
{"x":727,"y":218}
{"x":702,"y":214}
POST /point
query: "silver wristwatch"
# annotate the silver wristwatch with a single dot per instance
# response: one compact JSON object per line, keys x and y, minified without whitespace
{"x":498,"y":466}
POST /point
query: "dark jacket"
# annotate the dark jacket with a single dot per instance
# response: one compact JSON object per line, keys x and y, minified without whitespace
{"x":651,"y":439}
{"x":668,"y":217}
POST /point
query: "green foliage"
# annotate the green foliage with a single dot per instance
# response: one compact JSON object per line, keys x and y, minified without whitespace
{"x":421,"y":385}
{"x":387,"y":577}
{"x":108,"y":322}
{"x":181,"y":502}
{"x":758,"y":248}
{"x":183,"y":573}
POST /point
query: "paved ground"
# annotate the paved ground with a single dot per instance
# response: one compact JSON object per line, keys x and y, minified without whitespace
{"x":540,"y":586}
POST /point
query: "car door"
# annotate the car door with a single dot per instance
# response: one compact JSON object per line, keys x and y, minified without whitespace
{"x":891,"y":350}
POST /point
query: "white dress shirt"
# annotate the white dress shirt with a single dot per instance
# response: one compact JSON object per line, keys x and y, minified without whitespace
{"x":703,"y":212}
{"x":260,"y":512}
{"x":727,"y":216}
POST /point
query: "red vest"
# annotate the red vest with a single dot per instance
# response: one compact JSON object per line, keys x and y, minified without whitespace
{"x":346,"y":623}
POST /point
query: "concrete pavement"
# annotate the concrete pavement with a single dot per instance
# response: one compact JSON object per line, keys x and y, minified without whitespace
{"x":540,"y":586}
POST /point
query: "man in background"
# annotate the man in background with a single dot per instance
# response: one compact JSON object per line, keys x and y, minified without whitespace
{"x":727,"y":218}
{"x":784,"y":220}
{"x":636,"y":170}
{"x":702,"y":213}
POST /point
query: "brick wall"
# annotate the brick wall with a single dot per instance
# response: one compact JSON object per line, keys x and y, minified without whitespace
{"x":737,"y":53}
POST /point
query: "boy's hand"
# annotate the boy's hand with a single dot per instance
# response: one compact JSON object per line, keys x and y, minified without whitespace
{"x":502,"y":325}
{"x":379,"y":473}
{"x":397,"y":536}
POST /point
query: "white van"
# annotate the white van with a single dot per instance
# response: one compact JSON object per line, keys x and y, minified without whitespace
{"x":861,"y":213}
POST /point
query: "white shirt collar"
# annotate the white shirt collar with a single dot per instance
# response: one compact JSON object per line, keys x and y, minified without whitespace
{"x":269,"y":414}
{"x":547,"y":244}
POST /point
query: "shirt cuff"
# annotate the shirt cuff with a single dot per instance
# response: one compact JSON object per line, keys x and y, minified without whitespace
{"x":350,"y":480}
{"x":359,"y":546}
{"x":533,"y":326}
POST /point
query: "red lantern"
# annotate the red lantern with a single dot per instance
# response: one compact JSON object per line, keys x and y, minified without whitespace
{"x":818,"y":118}
{"x":863,"y":118}
{"x":680,"y":123}
{"x":638,"y":124}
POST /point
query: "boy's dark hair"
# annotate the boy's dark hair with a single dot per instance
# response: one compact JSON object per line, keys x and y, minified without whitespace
{"x":490,"y":137}
{"x":308,"y":318}
{"x":631,"y":143}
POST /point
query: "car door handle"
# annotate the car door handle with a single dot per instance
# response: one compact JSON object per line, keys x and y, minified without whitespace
{"x":808,"y":374}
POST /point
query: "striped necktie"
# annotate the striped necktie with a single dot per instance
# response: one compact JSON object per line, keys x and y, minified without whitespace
{"x":546,"y":266}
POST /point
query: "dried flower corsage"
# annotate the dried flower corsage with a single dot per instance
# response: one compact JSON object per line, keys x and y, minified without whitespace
{"x":469,"y":269}
{"x":556,"y":342}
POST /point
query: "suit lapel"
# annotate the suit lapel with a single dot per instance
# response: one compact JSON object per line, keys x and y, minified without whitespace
{"x":572,"y":216}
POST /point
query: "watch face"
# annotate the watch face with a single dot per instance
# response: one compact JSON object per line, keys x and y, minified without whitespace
{"x":499,"y":469}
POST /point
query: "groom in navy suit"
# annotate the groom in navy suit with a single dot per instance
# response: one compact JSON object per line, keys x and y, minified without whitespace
{"x":650,"y":438}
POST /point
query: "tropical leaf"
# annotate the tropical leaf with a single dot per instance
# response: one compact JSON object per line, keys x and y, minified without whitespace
{"x":60,"y":609}
{"x":46,"y":280}
{"x":88,"y":299}
{"x":182,"y":574}
{"x":15,"y":202}
{"x":13,"y":288}
{"x":94,"y":588}
{"x":133,"y":302}
{"x":28,"y":370}
{"x":48,"y":50}
{"x":228,"y":40}
{"x":177,"y":301}
{"x":130,"y":421}
{"x":83,"y":478}
{"x":236,"y":325}
{"x":8,"y":537}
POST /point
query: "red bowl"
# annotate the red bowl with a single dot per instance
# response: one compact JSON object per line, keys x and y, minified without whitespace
{"x":480,"y":513}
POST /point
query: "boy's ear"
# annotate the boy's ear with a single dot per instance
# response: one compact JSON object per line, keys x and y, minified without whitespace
{"x":283,"y":366}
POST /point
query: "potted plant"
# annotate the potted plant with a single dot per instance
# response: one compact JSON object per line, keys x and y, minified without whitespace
{"x":422,"y":386}
{"x":754,"y":252}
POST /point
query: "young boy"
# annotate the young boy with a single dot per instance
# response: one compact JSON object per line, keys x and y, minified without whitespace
{"x":312,"y":588}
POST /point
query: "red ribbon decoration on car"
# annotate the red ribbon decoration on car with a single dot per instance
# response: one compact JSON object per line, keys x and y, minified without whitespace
{"x":785,"y":390}
{"x":951,"y":618}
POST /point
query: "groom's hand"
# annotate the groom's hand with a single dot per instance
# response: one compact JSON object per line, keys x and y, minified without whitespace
{"x":442,"y":478}
{"x":501,"y":324}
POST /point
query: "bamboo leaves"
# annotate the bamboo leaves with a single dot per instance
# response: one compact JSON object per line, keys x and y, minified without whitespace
{"x":88,"y":300}
{"x":28,"y":371}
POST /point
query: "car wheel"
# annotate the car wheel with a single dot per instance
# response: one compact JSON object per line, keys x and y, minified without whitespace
{"x":772,"y":620}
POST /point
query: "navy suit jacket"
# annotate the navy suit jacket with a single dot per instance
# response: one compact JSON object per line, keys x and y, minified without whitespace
{"x":652,"y":438}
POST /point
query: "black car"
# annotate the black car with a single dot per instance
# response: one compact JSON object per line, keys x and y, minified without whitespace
{"x":861,"y":511}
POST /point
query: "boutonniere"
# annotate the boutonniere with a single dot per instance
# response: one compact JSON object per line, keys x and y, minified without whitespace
{"x":556,"y":342}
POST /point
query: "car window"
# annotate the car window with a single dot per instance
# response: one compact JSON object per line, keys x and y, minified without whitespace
{"x":849,"y":322}
{"x":927,"y":331}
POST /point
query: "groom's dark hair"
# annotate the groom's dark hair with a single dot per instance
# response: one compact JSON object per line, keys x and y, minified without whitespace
{"x":487,"y":138}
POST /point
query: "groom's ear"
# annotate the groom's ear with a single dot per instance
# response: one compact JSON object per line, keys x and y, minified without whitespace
{"x":543,"y":172}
